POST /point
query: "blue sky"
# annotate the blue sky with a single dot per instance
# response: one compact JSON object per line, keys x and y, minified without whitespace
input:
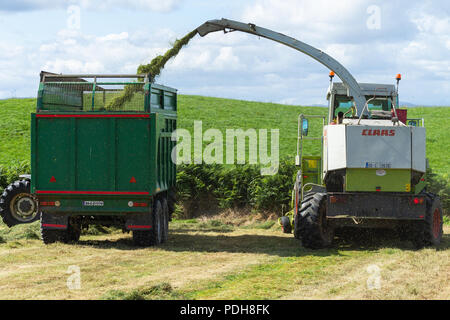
{"x":374,"y":39}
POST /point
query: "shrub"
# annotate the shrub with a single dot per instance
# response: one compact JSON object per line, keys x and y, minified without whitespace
{"x":11,"y":173}
{"x":236,"y":186}
{"x":440,"y":185}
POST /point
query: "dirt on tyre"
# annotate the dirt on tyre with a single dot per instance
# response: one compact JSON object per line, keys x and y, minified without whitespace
{"x":153,"y":236}
{"x":429,"y":231}
{"x":17,"y":205}
{"x":312,"y":225}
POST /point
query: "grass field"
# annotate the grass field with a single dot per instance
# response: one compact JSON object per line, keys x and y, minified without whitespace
{"x":213,"y":259}
{"x":225,"y":113}
{"x":221,"y":257}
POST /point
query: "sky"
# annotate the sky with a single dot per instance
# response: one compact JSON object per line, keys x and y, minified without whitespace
{"x":374,"y":40}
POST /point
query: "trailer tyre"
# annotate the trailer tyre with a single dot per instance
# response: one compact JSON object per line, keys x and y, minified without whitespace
{"x":17,"y":206}
{"x":165,"y":221}
{"x":74,"y":229}
{"x":172,"y":199}
{"x":312,"y":225}
{"x":430,"y":230}
{"x":71,"y":234}
{"x":153,"y":236}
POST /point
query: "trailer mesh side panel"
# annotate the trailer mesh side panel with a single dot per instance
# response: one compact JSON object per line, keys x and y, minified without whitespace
{"x":88,"y":96}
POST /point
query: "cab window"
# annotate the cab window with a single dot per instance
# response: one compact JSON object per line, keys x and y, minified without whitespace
{"x":343,"y":104}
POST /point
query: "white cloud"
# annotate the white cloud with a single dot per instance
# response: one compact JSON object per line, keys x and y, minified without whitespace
{"x":153,"y":5}
{"x":413,"y":40}
{"x":114,"y":37}
{"x":74,"y":66}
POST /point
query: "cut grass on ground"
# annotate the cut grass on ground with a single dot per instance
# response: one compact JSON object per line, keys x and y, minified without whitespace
{"x":215,"y":260}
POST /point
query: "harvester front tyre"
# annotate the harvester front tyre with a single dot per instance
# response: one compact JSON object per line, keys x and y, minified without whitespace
{"x":152,"y":237}
{"x":313,"y":227}
{"x":17,"y":206}
{"x":430,"y":230}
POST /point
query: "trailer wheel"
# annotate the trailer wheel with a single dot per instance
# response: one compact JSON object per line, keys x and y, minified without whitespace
{"x":165,"y":220}
{"x":153,"y":236}
{"x":71,"y":234}
{"x":430,"y":230}
{"x":74,"y":229}
{"x":312,"y":225}
{"x":171,"y":201}
{"x":17,"y":205}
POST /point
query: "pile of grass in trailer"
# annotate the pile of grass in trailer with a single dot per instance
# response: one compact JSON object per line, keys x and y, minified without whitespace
{"x":154,"y":69}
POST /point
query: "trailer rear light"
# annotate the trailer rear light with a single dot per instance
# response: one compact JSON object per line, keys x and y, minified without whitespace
{"x":47,"y":203}
{"x":140,"y":204}
{"x":418,"y":200}
{"x":338,"y":199}
{"x":137,"y":204}
{"x":50,"y":203}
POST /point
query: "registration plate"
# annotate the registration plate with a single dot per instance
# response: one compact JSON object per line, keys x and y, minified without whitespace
{"x":93,"y":203}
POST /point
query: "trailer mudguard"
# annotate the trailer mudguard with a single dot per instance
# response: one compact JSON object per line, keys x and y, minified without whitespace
{"x":54,"y":221}
{"x":139,"y":221}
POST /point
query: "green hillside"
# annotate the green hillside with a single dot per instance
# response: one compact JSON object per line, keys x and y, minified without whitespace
{"x":227,"y":114}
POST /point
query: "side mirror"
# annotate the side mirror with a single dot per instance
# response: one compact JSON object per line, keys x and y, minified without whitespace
{"x":305,"y":126}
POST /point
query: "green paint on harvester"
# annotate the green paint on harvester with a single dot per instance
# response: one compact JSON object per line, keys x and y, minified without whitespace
{"x":154,"y":68}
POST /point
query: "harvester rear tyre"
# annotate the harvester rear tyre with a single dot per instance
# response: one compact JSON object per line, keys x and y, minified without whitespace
{"x":152,"y":237}
{"x":312,"y":225}
{"x":17,"y":206}
{"x":286,"y":224}
{"x":429,"y":232}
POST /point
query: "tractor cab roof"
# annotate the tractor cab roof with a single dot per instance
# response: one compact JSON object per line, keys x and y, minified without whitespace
{"x":369,"y":89}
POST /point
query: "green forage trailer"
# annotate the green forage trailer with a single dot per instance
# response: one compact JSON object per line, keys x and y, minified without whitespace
{"x":101,"y":154}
